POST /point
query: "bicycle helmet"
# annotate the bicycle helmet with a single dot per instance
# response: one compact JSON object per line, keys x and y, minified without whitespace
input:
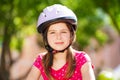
{"x":56,"y":13}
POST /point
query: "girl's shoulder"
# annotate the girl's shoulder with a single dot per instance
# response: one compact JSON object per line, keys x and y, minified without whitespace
{"x":38,"y":60}
{"x":81,"y":54}
{"x":81,"y":57}
{"x":40,"y":55}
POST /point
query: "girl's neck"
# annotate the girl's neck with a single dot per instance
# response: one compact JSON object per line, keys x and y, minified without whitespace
{"x":60,"y":56}
{"x":59,"y":60}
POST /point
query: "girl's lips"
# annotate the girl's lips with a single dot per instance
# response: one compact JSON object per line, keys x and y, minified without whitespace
{"x":59,"y":42}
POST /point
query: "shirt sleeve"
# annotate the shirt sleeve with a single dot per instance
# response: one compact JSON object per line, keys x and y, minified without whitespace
{"x":38,"y":62}
{"x":82,"y":58}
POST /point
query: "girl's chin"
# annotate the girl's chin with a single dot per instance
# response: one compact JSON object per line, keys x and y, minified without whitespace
{"x":58,"y":49}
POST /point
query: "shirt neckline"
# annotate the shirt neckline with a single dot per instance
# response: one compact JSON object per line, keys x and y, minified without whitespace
{"x":63,"y":67}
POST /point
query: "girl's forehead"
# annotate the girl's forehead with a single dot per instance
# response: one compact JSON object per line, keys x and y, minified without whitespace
{"x":59,"y":25}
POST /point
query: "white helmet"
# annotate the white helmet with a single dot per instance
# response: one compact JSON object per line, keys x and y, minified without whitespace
{"x":56,"y":13}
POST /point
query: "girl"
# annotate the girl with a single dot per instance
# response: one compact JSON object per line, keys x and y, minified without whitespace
{"x":58,"y":25}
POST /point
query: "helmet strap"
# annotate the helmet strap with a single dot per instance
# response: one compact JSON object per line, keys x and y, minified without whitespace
{"x":51,"y":50}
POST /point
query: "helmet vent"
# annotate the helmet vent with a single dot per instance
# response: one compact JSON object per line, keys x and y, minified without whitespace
{"x":57,"y":12}
{"x":45,"y":16}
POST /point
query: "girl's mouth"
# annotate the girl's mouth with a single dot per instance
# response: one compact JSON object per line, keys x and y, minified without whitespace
{"x":59,"y":42}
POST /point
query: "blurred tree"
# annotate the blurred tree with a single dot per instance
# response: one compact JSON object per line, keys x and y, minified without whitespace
{"x":112,"y":8}
{"x":6,"y":21}
{"x":12,"y":18}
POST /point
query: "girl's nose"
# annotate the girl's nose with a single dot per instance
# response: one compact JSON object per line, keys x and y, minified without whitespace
{"x":58,"y":36}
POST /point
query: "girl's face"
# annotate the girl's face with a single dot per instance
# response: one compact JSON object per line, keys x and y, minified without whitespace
{"x":58,"y":36}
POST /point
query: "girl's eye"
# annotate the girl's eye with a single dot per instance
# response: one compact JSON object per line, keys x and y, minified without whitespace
{"x":64,"y":32}
{"x":51,"y":32}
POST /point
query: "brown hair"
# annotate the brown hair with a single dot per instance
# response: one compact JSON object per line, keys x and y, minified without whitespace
{"x":47,"y":60}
